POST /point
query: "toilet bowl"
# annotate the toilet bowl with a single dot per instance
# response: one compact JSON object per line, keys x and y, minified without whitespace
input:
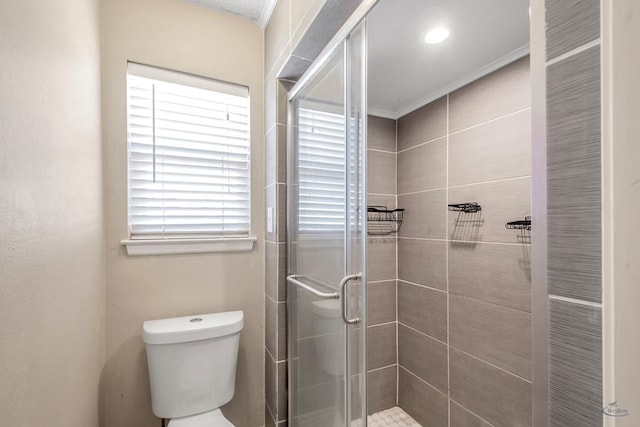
{"x":208,"y":419}
{"x":192,"y":364}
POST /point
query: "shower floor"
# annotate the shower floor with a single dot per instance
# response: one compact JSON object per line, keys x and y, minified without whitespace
{"x":392,"y":417}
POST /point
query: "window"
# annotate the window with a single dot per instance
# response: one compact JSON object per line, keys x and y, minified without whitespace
{"x":321,"y":171}
{"x":188,"y":157}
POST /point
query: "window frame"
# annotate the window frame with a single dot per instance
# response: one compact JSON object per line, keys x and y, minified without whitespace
{"x":190,"y":243}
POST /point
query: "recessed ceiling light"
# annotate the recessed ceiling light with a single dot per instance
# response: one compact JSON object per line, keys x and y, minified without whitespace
{"x":436,"y":35}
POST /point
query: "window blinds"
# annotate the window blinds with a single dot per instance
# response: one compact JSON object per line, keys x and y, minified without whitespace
{"x":321,"y":156}
{"x":188,"y":146}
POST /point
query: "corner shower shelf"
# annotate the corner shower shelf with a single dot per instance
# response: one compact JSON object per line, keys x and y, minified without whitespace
{"x":519,"y":225}
{"x":468,"y":207}
{"x":382,"y":221}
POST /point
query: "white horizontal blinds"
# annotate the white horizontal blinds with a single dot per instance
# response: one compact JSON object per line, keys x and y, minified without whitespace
{"x":188,"y":140}
{"x":321,"y":172}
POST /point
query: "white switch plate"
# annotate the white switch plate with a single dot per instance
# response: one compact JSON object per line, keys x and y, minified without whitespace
{"x":269,"y":220}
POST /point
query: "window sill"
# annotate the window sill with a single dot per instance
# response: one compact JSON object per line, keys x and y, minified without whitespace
{"x":188,"y":246}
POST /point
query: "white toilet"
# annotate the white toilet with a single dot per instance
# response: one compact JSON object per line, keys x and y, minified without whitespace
{"x":192,"y":367}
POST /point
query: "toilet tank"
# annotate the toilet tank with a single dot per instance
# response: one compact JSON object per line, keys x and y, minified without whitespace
{"x":192,"y":362}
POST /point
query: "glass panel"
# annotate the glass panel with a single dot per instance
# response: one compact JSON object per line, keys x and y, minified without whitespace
{"x":356,"y":221}
{"x":327,"y":382}
{"x":317,"y":249}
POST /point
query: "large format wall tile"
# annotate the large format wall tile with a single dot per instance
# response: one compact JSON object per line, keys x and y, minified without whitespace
{"x":381,"y":263}
{"x":381,"y":302}
{"x":423,"y":262}
{"x":570,"y":24}
{"x":573,"y":177}
{"x":502,"y":399}
{"x":424,"y":403}
{"x":501,"y":202}
{"x":382,"y":176}
{"x":423,"y":309}
{"x":495,"y":273}
{"x":422,"y":168}
{"x":503,"y":92}
{"x":423,"y":125}
{"x":381,"y":346}
{"x":382,"y":389}
{"x":425,"y":357}
{"x":460,"y":417}
{"x":425,"y":214}
{"x":498,"y":335}
{"x":381,"y":133}
{"x":496,"y":150}
{"x":575,"y":364}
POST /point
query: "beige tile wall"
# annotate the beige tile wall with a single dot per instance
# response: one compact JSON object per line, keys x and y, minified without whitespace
{"x":464,"y":308}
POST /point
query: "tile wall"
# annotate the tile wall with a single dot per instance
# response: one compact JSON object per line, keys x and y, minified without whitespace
{"x":464,"y":280}
{"x":382,"y":326}
{"x":574,"y":212}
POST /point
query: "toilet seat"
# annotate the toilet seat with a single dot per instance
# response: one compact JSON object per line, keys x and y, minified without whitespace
{"x":206,"y":419}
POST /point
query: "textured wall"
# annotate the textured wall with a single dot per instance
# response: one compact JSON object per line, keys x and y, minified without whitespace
{"x":464,"y":281}
{"x":574,"y":212}
{"x":184,"y":37}
{"x":622,"y":76}
{"x":51,"y":220}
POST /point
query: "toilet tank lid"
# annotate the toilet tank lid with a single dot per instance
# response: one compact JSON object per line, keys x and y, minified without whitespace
{"x":192,"y":328}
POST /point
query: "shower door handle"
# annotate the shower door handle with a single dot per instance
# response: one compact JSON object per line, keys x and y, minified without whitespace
{"x":343,"y":295}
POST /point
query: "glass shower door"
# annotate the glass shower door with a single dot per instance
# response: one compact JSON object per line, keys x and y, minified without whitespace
{"x":327,"y":237}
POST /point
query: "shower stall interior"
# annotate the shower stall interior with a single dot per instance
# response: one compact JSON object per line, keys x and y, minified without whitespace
{"x":409,"y":203}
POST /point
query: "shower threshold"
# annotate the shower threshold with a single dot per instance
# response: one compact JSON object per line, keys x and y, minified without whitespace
{"x":392,"y":417}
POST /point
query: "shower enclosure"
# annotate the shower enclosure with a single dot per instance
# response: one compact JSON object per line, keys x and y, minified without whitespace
{"x":327,"y":239}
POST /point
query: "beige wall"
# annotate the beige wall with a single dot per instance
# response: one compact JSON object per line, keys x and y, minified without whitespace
{"x":176,"y":35}
{"x":621,"y":195}
{"x":51,"y":220}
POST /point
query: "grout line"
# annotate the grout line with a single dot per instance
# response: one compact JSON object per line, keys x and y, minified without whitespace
{"x":471,"y":412}
{"x":420,"y":144}
{"x":422,"y":286}
{"x":271,"y":355}
{"x":574,"y":52}
{"x":494,"y":181}
{"x":491,"y":303}
{"x":410,"y":193}
{"x":272,"y":128}
{"x":479,"y":242}
{"x":375,"y":282}
{"x":423,"y":381}
{"x":381,"y":194}
{"x":382,"y":367}
{"x":447,"y":267}
{"x":381,"y":324}
{"x":490,"y":364}
{"x":575,"y":301}
{"x":377,"y":150}
{"x":421,"y":333}
{"x":513,"y":113}
{"x":266,"y":404}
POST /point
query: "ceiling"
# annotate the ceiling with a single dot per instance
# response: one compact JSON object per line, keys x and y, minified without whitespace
{"x":257,"y":11}
{"x":406,"y":73}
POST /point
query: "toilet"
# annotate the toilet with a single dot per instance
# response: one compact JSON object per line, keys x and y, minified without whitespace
{"x":192,"y":367}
